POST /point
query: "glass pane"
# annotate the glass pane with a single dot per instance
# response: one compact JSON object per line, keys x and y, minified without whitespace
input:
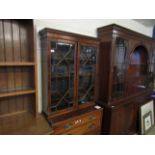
{"x":120,"y":62}
{"x":86,"y":74}
{"x":62,"y":71}
{"x":151,"y":71}
{"x":138,"y":71}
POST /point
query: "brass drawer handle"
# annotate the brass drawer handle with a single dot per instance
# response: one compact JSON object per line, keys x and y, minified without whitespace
{"x":78,"y":121}
{"x":68,"y":126}
{"x":92,"y":117}
{"x":92,"y":126}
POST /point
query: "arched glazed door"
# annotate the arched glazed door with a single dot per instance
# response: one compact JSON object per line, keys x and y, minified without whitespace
{"x":137,"y":70}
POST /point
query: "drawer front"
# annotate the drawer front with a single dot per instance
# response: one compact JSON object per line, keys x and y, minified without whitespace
{"x":87,"y":128}
{"x":76,"y":122}
{"x":94,"y":132}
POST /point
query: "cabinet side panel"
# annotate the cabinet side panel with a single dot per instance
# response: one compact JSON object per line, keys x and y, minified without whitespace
{"x":44,"y":76}
{"x":118,"y":121}
{"x":104,"y":69}
{"x":106,"y":120}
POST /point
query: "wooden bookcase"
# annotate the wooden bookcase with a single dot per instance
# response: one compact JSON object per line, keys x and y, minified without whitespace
{"x":69,"y":85}
{"x":18,"y":80}
{"x":126,"y":77}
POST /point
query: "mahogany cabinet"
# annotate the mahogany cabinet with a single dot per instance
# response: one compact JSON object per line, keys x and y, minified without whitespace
{"x":18,"y":80}
{"x":126,"y":77}
{"x":69,"y":71}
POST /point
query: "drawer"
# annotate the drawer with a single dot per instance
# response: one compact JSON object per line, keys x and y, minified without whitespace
{"x":94,"y":132}
{"x":88,"y":128}
{"x":76,"y":122}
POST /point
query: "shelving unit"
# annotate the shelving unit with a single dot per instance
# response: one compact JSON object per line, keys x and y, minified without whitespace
{"x":18,"y":86}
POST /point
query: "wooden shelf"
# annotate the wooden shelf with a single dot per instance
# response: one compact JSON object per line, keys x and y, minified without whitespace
{"x":5,"y":64}
{"x":17,"y":93}
{"x":12,"y":114}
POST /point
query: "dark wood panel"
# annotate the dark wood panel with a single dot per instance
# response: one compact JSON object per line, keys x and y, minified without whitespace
{"x":31,"y":33}
{"x":16,"y":41}
{"x":4,"y":107}
{"x":9,"y":58}
{"x":8,"y":40}
{"x":104,"y":72}
{"x":11,"y":87}
{"x":46,"y":99}
{"x":29,"y":101}
{"x":20,"y":103}
{"x":11,"y":79}
{"x":118,"y":121}
{"x":24,"y":44}
{"x":3,"y":71}
{"x":27,"y":78}
{"x":3,"y":80}
{"x":27,"y":73}
{"x":12,"y":104}
{"x":2,"y":50}
{"x":18,"y":78}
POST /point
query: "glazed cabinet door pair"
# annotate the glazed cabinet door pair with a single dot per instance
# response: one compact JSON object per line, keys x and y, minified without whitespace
{"x":133,"y":68}
{"x":72,"y":72}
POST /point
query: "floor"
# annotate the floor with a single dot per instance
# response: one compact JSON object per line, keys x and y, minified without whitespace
{"x":26,"y":124}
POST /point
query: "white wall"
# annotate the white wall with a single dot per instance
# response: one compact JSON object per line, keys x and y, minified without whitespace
{"x":81,"y":26}
{"x":88,"y":26}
